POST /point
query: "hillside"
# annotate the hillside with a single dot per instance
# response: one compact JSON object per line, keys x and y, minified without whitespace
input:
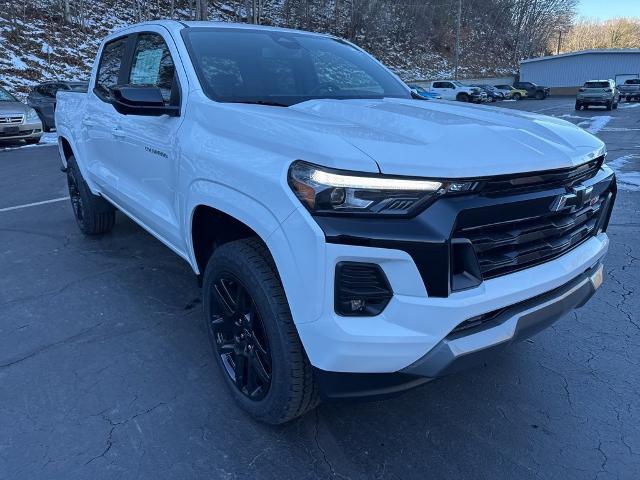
{"x":38,"y":41}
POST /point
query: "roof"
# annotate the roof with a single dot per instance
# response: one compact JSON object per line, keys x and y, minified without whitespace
{"x":583,"y":52}
{"x":176,"y":25}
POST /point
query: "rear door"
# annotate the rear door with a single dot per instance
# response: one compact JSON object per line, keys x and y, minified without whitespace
{"x":100,"y":120}
{"x":147,"y":164}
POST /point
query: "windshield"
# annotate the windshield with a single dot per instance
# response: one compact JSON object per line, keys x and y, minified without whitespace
{"x":6,"y":96}
{"x":284,"y":68}
{"x":596,"y":85}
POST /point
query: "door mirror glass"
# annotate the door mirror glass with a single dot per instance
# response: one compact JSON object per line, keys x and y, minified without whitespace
{"x":147,"y":101}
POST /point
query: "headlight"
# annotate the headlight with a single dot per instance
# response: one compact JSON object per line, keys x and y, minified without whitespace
{"x":328,"y":191}
{"x":32,"y":115}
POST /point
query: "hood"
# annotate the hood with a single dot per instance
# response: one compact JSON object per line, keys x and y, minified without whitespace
{"x":8,"y":108}
{"x":451,"y":139}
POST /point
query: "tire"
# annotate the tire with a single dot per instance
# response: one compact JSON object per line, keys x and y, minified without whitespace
{"x":517,"y":96}
{"x":609,"y":106}
{"x":615,"y":106}
{"x":578,"y":106}
{"x":94,"y":215}
{"x":539,"y":95}
{"x":285,"y":388}
{"x":462,"y":97}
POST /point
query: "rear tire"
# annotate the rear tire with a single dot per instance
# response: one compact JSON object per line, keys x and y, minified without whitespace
{"x":517,"y":96}
{"x":254,"y":339}
{"x":94,"y":215}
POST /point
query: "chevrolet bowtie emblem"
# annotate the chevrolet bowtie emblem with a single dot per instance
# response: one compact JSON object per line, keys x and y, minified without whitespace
{"x":578,"y":197}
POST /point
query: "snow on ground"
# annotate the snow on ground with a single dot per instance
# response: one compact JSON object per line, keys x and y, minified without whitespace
{"x":627,"y":179}
{"x":629,"y":105}
{"x":598,"y":123}
{"x":46,"y":139}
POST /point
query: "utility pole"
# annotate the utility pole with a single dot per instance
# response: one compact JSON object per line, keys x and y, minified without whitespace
{"x":559,"y":42}
{"x":457,"y":53}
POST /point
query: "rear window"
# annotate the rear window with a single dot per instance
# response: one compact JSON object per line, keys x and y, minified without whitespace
{"x":596,"y":85}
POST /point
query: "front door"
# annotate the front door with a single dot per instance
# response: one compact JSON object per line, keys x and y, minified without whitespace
{"x":147,"y":160}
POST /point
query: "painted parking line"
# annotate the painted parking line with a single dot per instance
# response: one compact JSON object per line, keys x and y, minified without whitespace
{"x":35,"y":204}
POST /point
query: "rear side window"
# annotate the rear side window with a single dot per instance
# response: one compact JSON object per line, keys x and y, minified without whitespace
{"x":152,"y":64}
{"x":109,"y":67}
{"x":632,"y":82}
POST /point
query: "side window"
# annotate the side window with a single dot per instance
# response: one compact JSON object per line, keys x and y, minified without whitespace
{"x":152,"y":64}
{"x":448,"y":85}
{"x":109,"y":67}
{"x":438,"y":85}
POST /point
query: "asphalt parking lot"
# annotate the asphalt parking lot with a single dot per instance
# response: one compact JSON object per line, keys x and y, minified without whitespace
{"x":105,"y":370}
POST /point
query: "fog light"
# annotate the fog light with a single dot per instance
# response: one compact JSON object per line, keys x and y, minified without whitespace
{"x":361,"y":289}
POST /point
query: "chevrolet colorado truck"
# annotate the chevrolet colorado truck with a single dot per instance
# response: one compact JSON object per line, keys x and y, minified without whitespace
{"x":350,"y":241}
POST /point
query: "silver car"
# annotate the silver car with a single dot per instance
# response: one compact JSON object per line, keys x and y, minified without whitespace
{"x":17,"y":120}
{"x":598,"y":92}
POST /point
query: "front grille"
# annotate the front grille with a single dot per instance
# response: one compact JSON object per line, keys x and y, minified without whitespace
{"x":510,"y":246}
{"x":11,"y":120}
{"x":542,"y":180}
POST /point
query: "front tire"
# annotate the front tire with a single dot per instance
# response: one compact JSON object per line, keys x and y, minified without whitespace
{"x":462,"y":97}
{"x":578,"y":106}
{"x":94,"y":215}
{"x":517,"y":96}
{"x":539,"y":95}
{"x":254,"y":339}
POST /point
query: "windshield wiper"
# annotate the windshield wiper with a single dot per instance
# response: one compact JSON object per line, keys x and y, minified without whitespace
{"x":263,"y":102}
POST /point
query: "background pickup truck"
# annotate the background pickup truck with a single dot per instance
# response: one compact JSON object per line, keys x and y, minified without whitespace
{"x":630,"y":89}
{"x":350,"y":240}
{"x":454,"y":90}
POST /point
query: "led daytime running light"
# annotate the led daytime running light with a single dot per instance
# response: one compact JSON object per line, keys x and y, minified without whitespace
{"x":352,"y":181}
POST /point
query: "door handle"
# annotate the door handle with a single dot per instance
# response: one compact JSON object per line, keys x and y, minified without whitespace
{"x":117,"y":132}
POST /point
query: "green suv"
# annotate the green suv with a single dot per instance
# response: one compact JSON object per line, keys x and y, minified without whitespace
{"x":598,"y":92}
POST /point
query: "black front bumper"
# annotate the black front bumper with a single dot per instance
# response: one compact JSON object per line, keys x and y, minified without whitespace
{"x":469,"y":347}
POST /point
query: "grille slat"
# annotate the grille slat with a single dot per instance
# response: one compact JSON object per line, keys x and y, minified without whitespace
{"x":11,"y":120}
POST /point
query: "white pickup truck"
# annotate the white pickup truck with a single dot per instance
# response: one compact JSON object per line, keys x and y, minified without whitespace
{"x":351,"y":241}
{"x":454,"y":90}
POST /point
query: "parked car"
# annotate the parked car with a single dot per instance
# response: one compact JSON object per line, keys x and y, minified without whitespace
{"x":512,"y":93}
{"x":598,"y":92}
{"x":533,"y":90}
{"x":630,"y":89}
{"x":418,"y":90}
{"x":17,"y":120}
{"x":454,"y":90}
{"x":350,"y":240}
{"x":42,"y":98}
{"x":493,"y":94}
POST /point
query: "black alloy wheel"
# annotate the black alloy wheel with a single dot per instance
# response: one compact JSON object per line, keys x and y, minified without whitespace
{"x":240,"y":337}
{"x":74,"y":195}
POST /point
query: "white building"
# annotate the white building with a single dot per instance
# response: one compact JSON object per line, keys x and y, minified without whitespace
{"x":565,"y":73}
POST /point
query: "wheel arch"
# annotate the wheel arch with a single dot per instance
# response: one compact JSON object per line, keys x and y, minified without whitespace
{"x":213,"y":208}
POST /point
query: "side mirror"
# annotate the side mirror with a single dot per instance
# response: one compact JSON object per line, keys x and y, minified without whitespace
{"x":146,"y":101}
